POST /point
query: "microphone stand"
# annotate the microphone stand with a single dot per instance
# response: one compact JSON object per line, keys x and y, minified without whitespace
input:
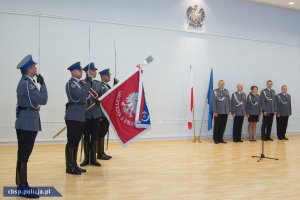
{"x":262,"y":155}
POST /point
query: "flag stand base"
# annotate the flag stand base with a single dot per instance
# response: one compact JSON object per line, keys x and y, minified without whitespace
{"x":194,"y":140}
{"x":199,"y":140}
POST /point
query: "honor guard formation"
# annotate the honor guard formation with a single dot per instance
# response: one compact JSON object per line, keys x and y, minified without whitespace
{"x":83,"y":117}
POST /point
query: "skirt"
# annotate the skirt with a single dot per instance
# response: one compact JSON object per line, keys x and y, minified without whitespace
{"x":253,"y":118}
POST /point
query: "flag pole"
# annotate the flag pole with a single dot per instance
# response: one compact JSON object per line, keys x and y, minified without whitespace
{"x":88,"y":75}
{"x":199,"y":138}
{"x":195,"y":138}
{"x":39,"y":55}
{"x":193,"y":111}
{"x":206,"y":102}
{"x":115,"y":54}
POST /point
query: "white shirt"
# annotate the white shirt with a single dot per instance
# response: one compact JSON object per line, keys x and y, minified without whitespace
{"x":32,"y":80}
{"x":78,"y":80}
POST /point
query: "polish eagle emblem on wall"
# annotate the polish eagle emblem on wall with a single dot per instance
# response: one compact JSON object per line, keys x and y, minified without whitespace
{"x":195,"y":16}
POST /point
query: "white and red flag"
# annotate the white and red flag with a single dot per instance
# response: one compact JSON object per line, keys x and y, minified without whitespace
{"x":126,"y":109}
{"x":191,"y":101}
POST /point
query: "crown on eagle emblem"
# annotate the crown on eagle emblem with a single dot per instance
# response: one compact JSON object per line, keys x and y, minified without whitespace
{"x":195,"y":16}
{"x":130,"y":104}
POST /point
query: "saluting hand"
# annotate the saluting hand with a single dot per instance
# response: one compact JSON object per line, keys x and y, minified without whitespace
{"x":40,"y":79}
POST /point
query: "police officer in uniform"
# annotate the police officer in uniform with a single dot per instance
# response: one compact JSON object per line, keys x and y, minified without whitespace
{"x":284,"y":110}
{"x":253,"y":111}
{"x":269,"y":108}
{"x":104,"y":123}
{"x":220,"y":101}
{"x":92,"y":119}
{"x":238,"y":111}
{"x":77,"y":92}
{"x":28,"y":123}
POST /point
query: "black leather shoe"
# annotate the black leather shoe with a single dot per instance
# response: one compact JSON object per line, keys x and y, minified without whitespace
{"x":86,"y":148}
{"x":270,"y":139}
{"x":235,"y":141}
{"x":93,"y":160}
{"x":223,"y":142}
{"x":101,"y":154}
{"x":102,"y":157}
{"x":95,"y":163}
{"x":240,"y":141}
{"x":79,"y":169}
{"x":24,"y":190}
{"x":70,"y":166}
{"x":107,"y":155}
{"x":285,"y":138}
{"x":27,"y":192}
{"x":70,"y":169}
{"x":216,"y":142}
{"x":280,"y":138}
{"x":85,"y":163}
{"x":75,"y":161}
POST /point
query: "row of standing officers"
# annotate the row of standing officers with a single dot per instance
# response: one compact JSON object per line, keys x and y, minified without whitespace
{"x":252,"y":106}
{"x":83,"y":116}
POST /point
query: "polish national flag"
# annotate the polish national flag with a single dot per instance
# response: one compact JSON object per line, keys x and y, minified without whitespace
{"x":191,"y":100}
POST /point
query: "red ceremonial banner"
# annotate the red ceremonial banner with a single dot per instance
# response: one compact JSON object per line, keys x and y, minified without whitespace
{"x":120,"y":106}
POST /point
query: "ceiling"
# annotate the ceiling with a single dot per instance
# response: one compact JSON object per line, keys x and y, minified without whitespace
{"x":281,"y":3}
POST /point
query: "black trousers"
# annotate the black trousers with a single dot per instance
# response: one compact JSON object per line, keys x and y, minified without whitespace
{"x":26,"y":141}
{"x":91,"y":129}
{"x":219,"y":127}
{"x":266,"y":126}
{"x":103,"y":127}
{"x":237,"y":128}
{"x":282,"y":123}
{"x":74,"y":133}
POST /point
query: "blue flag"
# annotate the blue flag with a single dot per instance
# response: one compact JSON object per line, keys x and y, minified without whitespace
{"x":209,"y":93}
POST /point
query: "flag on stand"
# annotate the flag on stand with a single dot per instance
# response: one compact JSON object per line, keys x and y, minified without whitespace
{"x":209,"y":93}
{"x":191,"y":101}
{"x":126,"y":109}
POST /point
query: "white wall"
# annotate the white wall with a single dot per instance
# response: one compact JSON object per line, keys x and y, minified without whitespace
{"x":242,"y":41}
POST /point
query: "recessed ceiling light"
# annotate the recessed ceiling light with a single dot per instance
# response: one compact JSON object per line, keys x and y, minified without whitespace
{"x":291,"y":3}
